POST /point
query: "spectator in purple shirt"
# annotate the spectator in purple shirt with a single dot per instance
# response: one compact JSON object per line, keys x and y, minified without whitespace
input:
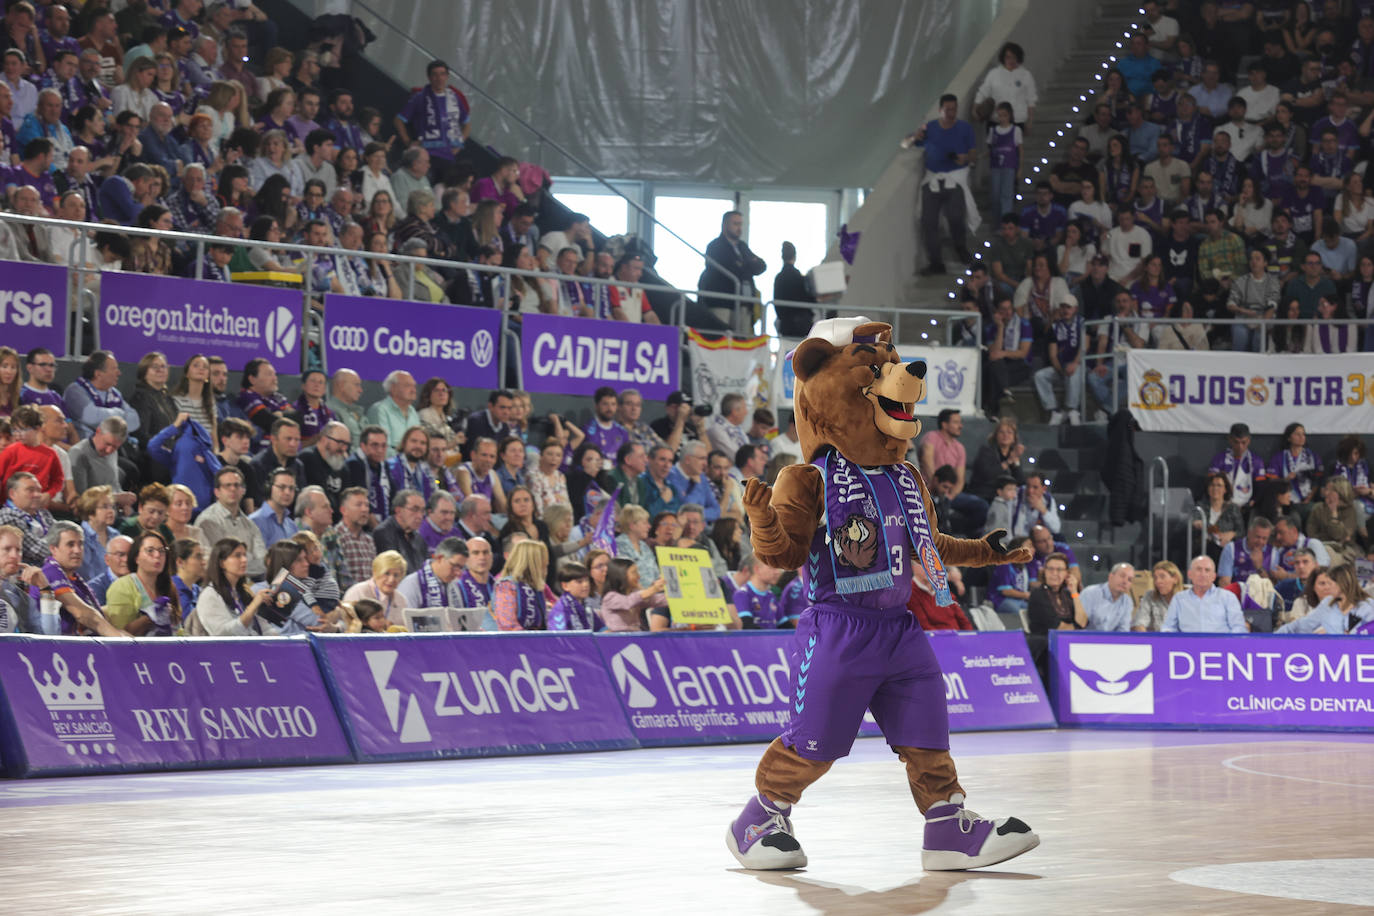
{"x":502,"y":185}
{"x":35,"y":168}
{"x":300,"y":124}
{"x":435,"y":118}
{"x":1044,"y":220}
{"x":346,"y":131}
{"x":603,"y":431}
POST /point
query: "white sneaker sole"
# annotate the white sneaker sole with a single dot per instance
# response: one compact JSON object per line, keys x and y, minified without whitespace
{"x":763,"y":858}
{"x":949,"y":860}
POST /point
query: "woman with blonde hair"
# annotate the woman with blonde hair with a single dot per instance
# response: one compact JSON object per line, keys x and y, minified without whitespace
{"x":521,"y":597}
{"x":227,"y":106}
{"x":276,"y":69}
{"x":274,"y":155}
{"x":10,"y":380}
{"x":1149,"y":617}
{"x":486,"y":223}
{"x":181,"y":508}
{"x":633,"y":541}
{"x":388,"y":569}
{"x":1333,"y":521}
{"x":96,"y":509}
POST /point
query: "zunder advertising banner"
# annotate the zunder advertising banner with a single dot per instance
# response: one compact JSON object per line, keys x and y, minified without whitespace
{"x":140,"y":312}
{"x":374,"y":337}
{"x":702,"y":688}
{"x":1181,"y":392}
{"x":419,"y":697}
{"x":76,"y":706}
{"x":33,"y":307}
{"x":1180,"y":680}
{"x":579,"y":355}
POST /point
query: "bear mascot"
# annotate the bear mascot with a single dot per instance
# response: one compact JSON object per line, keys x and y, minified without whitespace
{"x":857,"y":515}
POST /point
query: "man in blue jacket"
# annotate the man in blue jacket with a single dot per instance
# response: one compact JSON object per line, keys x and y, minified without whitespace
{"x":119,"y":194}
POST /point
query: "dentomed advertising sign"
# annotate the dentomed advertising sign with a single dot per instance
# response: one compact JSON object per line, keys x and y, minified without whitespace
{"x":140,"y":312}
{"x":77,"y":706}
{"x":374,"y":337}
{"x":1179,"y":680}
{"x":33,"y":306}
{"x":579,"y":355}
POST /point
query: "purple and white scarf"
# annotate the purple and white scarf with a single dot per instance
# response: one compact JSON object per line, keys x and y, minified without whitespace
{"x":432,"y":592}
{"x":847,"y":489}
{"x":475,"y":594}
{"x":568,"y":613}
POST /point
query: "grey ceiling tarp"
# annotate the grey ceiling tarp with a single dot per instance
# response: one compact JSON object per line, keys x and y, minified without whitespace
{"x":725,"y":92}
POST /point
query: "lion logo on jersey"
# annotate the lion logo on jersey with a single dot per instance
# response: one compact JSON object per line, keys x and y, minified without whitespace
{"x":856,"y":542}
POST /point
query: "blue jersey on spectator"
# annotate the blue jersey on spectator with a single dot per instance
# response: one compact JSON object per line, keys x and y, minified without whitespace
{"x":943,"y":144}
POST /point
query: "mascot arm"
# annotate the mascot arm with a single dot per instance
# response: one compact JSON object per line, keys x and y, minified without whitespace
{"x":783,"y":518}
{"x":989,"y":550}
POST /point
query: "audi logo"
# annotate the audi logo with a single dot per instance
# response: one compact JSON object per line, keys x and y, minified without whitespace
{"x":348,"y":338}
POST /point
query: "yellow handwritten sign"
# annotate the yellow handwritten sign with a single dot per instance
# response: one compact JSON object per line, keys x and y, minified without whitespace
{"x":691,"y":587}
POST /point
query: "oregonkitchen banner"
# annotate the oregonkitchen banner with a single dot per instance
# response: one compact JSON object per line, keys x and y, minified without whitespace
{"x":1182,"y":392}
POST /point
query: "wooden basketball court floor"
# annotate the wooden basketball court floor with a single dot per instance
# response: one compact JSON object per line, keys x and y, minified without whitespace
{"x":1130,"y":822}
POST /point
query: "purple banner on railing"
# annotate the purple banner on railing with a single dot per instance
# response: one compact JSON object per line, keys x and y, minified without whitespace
{"x":703,"y":687}
{"x":418,"y":696}
{"x":90,"y":706}
{"x":579,"y":355}
{"x":33,"y":306}
{"x":373,"y":337}
{"x":1183,"y":681}
{"x":139,"y":312}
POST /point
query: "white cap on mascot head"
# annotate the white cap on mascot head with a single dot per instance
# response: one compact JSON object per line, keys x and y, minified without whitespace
{"x":838,"y":331}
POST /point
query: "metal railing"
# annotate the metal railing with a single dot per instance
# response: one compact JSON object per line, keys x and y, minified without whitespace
{"x":85,"y":303}
{"x":1163,"y":508}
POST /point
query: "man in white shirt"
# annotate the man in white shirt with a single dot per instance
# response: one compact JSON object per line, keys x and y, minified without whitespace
{"x":1161,"y":31}
{"x":1011,"y":82}
{"x":1245,"y":137}
{"x":1127,"y":246}
{"x":724,"y":430}
{"x":1211,"y":94}
{"x":1261,"y":97}
{"x":226,"y":520}
{"x":1204,"y":608}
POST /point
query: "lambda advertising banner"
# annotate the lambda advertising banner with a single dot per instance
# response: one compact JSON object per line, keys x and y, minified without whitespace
{"x":33,"y":307}
{"x":140,"y":312}
{"x":75,"y":706}
{"x":578,"y":355}
{"x":699,"y":688}
{"x":419,"y":696}
{"x":1180,"y":392}
{"x":374,"y":337}
{"x":1185,"y":681}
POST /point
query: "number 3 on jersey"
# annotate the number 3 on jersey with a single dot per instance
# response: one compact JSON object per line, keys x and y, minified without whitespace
{"x":897,"y":561}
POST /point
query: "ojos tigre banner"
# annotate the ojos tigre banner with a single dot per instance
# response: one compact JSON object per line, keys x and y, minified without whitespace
{"x":1188,"y":392}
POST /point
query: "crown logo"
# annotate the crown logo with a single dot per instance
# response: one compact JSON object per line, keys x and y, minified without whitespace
{"x":75,"y":706}
{"x":67,"y":693}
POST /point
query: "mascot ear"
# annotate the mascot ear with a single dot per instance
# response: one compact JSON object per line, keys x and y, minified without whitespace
{"x":809,"y":356}
{"x":878,"y":330}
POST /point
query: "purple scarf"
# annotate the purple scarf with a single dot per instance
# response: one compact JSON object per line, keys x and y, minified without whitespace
{"x":568,"y":613}
{"x":110,"y":398}
{"x":419,"y":478}
{"x":432,"y":592}
{"x":532,"y":610}
{"x":475,"y":594}
{"x":481,"y":486}
{"x":847,"y":489}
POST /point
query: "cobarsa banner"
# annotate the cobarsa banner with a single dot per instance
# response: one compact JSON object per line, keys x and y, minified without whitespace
{"x":76,"y":706}
{"x":1179,"y":391}
{"x":579,"y":355}
{"x":33,"y":307}
{"x":425,"y":696}
{"x":140,"y":312}
{"x":374,"y":337}
{"x":1214,"y":681}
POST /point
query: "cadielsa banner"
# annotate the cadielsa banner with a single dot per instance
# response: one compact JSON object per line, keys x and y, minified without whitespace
{"x":724,"y":365}
{"x":1182,"y":392}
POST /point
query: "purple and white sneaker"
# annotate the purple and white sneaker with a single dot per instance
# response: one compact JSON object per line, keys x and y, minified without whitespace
{"x":761,"y":837}
{"x":956,"y":838}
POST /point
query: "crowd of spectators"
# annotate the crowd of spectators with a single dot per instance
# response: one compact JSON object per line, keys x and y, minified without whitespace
{"x":178,"y":506}
{"x":1221,"y":174}
{"x":174,"y":114}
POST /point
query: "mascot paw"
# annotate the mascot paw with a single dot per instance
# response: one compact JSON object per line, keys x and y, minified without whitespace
{"x":997,"y":541}
{"x":757,"y":494}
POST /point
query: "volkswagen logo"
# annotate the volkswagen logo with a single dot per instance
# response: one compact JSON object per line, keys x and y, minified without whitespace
{"x":483,"y":348}
{"x":281,"y":332}
{"x":348,"y":338}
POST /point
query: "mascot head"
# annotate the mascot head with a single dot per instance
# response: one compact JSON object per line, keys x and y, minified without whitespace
{"x":854,"y":394}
